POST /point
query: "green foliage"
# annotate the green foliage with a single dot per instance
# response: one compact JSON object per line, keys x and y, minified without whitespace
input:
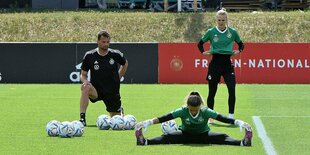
{"x":26,"y":108}
{"x":82,"y":26}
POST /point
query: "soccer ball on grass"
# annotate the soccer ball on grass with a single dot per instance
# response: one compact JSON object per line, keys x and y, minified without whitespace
{"x":169,"y":127}
{"x":78,"y":128}
{"x":117,"y":122}
{"x":130,"y":122}
{"x":103,"y":122}
{"x":52,"y":128}
{"x":66,"y":129}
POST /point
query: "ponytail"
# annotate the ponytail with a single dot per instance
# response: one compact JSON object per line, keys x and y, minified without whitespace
{"x":194,"y":99}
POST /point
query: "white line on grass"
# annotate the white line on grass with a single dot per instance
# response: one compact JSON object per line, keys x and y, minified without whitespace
{"x":286,"y":116}
{"x":262,"y":134}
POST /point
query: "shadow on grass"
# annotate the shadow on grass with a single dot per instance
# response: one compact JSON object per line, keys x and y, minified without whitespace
{"x":223,"y":125}
{"x":197,"y":145}
{"x":91,"y":126}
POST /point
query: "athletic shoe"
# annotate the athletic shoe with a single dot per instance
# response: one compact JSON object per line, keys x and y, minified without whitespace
{"x":83,"y":121}
{"x":211,"y":121}
{"x":140,"y":137}
{"x":247,"y":141}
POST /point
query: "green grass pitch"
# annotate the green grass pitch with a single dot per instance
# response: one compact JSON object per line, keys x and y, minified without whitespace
{"x":26,"y":108}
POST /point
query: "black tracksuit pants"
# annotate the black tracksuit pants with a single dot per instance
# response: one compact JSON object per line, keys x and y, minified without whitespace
{"x":221,"y":65}
{"x":187,"y":138}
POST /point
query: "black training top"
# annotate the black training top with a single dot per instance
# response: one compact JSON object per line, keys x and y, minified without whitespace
{"x":104,"y":69}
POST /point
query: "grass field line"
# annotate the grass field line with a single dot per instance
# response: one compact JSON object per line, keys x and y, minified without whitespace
{"x":284,"y":116}
{"x":262,"y":134}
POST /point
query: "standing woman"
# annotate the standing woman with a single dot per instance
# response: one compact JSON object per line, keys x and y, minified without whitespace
{"x":222,"y":38}
{"x":194,"y":128}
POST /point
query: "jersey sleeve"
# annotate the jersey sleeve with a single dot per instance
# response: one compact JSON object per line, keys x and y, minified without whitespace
{"x":207,"y":36}
{"x":85,"y":66}
{"x":237,"y":37}
{"x":120,"y":58}
{"x":211,"y":113}
{"x":177,"y":113}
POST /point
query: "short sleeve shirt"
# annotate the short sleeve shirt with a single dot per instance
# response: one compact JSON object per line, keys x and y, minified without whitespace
{"x":221,"y":42}
{"x":194,"y":124}
{"x":104,"y":69}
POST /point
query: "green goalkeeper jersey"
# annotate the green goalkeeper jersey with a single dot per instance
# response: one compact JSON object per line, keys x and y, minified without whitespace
{"x":194,"y":124}
{"x":221,"y":42}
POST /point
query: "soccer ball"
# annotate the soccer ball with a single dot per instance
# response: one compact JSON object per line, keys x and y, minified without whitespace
{"x":103,"y":122}
{"x":52,"y":128}
{"x":169,"y":127}
{"x":78,"y":128}
{"x":130,"y":122}
{"x":66,"y":129}
{"x":117,"y":122}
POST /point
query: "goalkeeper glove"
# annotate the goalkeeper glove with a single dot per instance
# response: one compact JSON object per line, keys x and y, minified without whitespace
{"x":242,"y":124}
{"x":144,"y":124}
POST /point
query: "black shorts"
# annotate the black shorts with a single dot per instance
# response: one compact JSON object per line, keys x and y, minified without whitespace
{"x":216,"y":70}
{"x":112,"y":101}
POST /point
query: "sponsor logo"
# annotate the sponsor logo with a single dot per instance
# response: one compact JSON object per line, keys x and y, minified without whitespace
{"x":209,"y":77}
{"x":215,"y":38}
{"x":96,"y":67}
{"x":111,"y":61}
{"x":75,"y":76}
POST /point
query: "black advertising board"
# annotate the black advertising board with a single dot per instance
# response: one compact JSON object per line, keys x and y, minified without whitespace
{"x":61,"y":62}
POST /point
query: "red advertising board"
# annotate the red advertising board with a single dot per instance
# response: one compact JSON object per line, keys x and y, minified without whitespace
{"x":278,"y":63}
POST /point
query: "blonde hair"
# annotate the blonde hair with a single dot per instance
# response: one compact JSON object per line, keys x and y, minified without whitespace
{"x":222,"y":12}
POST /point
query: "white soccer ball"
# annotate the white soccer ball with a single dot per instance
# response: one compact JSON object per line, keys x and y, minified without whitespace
{"x":130,"y":122}
{"x":66,"y":129}
{"x":52,"y":128}
{"x":117,"y":122}
{"x":103,"y":122}
{"x":169,"y":127}
{"x":78,"y":128}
